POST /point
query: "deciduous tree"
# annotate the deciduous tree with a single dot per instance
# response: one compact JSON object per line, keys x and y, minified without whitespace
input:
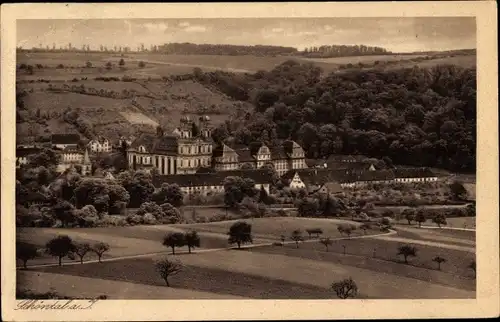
{"x":25,"y":252}
{"x":60,"y":247}
{"x":192,"y":240}
{"x":173,"y":240}
{"x":240,"y":233}
{"x":407,"y":251}
{"x":297,"y":237}
{"x":99,"y":249}
{"x":168,"y":268}
{"x":345,"y":288}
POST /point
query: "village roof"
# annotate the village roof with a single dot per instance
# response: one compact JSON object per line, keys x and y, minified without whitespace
{"x":366,"y":176}
{"x":70,"y":149}
{"x":24,"y":152}
{"x":413,"y":173}
{"x":354,"y":165}
{"x":65,"y":138}
{"x":244,"y":155}
{"x":100,"y":139}
{"x":322,"y":176}
{"x":278,"y":152}
{"x":347,"y":157}
{"x":289,"y":146}
{"x":211,"y":179}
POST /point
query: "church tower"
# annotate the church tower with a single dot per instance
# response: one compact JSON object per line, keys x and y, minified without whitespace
{"x":87,"y":165}
{"x":186,"y":127}
{"x":205,"y":126}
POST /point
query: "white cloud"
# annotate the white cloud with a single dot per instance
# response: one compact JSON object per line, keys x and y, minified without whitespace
{"x":195,"y":29}
{"x":156,"y":26}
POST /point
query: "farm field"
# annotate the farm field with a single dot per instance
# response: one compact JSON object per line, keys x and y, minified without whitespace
{"x":135,"y":240}
{"x":302,"y":273}
{"x":158,"y":65}
{"x":85,"y":287}
{"x":457,"y":222}
{"x":274,"y":227}
{"x":247,"y":274}
{"x":111,"y":114}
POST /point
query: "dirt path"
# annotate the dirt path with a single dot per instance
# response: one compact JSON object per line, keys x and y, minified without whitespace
{"x":426,"y":243}
{"x":200,"y":251}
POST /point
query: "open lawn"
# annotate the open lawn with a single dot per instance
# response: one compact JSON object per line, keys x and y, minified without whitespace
{"x":258,"y":275}
{"x":360,"y":253}
{"x":453,"y":222}
{"x":85,"y":287}
{"x":273,"y":228}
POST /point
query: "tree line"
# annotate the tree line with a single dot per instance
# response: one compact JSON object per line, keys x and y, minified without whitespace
{"x":327,"y":51}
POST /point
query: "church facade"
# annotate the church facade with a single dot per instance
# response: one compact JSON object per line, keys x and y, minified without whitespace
{"x":186,"y":149}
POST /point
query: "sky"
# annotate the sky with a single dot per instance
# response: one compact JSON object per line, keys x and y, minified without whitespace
{"x":395,"y":34}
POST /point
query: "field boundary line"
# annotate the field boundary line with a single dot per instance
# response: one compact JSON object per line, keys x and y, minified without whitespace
{"x":391,"y":232}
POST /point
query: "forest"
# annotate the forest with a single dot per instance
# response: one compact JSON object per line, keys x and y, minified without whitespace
{"x":412,"y":116}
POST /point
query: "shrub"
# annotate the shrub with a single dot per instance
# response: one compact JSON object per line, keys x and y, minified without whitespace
{"x":113,"y":220}
{"x":149,"y":219}
{"x":134,"y":219}
{"x":345,"y":288}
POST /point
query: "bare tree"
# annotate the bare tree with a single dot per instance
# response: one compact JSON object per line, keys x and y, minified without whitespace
{"x":81,"y":249}
{"x":346,"y":288}
{"x":326,"y":241}
{"x":168,"y":268}
{"x":100,"y":249}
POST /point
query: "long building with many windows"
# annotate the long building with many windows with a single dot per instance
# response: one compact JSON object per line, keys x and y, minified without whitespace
{"x":181,"y":152}
{"x":284,"y":157}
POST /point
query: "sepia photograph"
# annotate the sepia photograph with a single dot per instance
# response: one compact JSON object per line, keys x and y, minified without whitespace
{"x":244,"y":158}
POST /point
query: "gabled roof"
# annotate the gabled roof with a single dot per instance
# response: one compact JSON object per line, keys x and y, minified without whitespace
{"x":65,"y":138}
{"x":278,"y":152}
{"x":100,"y":140}
{"x":211,"y":179}
{"x":289,"y":146}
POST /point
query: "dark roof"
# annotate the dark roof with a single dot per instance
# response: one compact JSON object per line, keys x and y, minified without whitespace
{"x":155,"y":144}
{"x":278,"y":152}
{"x":380,"y":175}
{"x":310,"y":176}
{"x":24,"y":152}
{"x":321,"y":176}
{"x":244,"y":155}
{"x":65,"y":138}
{"x":211,"y":179}
{"x":413,"y":173}
{"x":355,"y":165}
